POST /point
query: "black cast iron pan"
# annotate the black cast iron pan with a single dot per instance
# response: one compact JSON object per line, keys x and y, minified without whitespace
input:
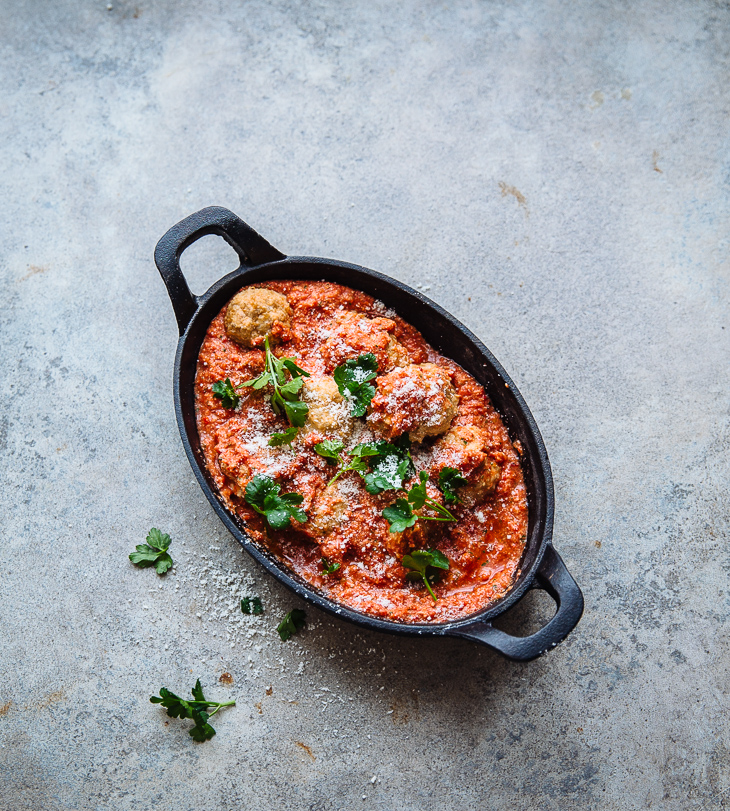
{"x":541,"y":566}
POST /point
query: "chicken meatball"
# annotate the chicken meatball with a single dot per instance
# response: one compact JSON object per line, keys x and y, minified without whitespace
{"x":418,"y":399}
{"x":465,"y":448}
{"x":329,"y":412}
{"x":255,"y":312}
{"x":354,"y":334}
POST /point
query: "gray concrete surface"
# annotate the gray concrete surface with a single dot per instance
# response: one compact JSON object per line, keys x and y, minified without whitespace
{"x":557,"y":175}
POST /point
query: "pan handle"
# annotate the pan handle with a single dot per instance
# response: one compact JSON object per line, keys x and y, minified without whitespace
{"x":252,"y":250}
{"x":554,"y":578}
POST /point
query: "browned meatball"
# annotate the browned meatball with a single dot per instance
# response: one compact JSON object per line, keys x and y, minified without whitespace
{"x":255,"y":312}
{"x":329,"y":412}
{"x":354,"y":334}
{"x":464,"y":448}
{"x":418,"y":399}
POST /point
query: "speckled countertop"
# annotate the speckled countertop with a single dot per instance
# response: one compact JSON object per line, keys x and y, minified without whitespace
{"x":556,"y":175}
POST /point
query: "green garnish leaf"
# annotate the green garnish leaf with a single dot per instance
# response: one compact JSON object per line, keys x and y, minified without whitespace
{"x":285,"y":397}
{"x":420,"y":560}
{"x":264,"y":495}
{"x":224,"y":391}
{"x":449,"y":480}
{"x":283,"y":438}
{"x":296,"y":412}
{"x":391,"y":465}
{"x":196,"y":710}
{"x":330,"y":449}
{"x":292,"y":623}
{"x":357,"y":458}
{"x":352,"y":378}
{"x":400,"y":515}
{"x":154,"y":552}
{"x":417,"y":495}
{"x":251,"y":605}
{"x":328,"y":568}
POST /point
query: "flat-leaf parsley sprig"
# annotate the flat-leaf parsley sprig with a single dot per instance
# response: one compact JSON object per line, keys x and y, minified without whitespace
{"x":353,"y":381}
{"x":402,"y":514}
{"x":264,"y":495}
{"x":154,"y":552}
{"x":196,"y":710}
{"x":284,"y":376}
{"x":449,"y":480}
{"x":331,"y":450}
{"x":391,"y":465}
{"x":420,"y":560}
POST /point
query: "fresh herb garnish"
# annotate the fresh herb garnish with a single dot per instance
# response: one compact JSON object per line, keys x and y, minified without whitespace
{"x":196,"y":710}
{"x":226,"y":393}
{"x":353,"y":381}
{"x":283,"y":438}
{"x":419,"y":561}
{"x":449,"y":480}
{"x":401,"y":515}
{"x":154,"y":552}
{"x":391,"y":465}
{"x":263,"y":494}
{"x":331,"y":450}
{"x":292,"y":623}
{"x":329,"y":568}
{"x":251,"y":605}
{"x":285,"y":397}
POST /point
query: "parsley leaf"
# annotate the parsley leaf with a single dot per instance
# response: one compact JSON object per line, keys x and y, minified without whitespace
{"x":154,"y":552}
{"x":292,"y":623}
{"x":352,"y":378}
{"x":329,"y":568}
{"x":224,"y":391}
{"x":391,"y":465}
{"x":400,"y":515}
{"x":263,"y":494}
{"x":251,"y":605}
{"x":449,"y":480}
{"x":285,"y":397}
{"x":330,"y":449}
{"x":420,"y":560}
{"x":196,"y":710}
{"x":283,"y":438}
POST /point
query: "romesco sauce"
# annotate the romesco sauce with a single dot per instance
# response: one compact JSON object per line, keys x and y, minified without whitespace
{"x":484,"y":546}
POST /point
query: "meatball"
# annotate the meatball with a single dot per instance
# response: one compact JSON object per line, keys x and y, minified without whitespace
{"x":329,"y":412}
{"x":354,"y":334}
{"x":464,"y":448}
{"x":418,"y":399}
{"x":255,"y":312}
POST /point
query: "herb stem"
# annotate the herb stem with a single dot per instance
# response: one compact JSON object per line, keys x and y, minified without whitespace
{"x":430,"y":590}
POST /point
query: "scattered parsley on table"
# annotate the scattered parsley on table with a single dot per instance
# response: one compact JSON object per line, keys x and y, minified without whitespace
{"x":154,"y":552}
{"x":196,"y":710}
{"x":292,"y":623}
{"x":251,"y":605}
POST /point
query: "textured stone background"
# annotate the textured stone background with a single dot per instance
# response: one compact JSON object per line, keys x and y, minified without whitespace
{"x":557,"y":175}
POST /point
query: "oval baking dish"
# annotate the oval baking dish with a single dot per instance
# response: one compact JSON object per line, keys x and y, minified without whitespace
{"x":541,"y":566}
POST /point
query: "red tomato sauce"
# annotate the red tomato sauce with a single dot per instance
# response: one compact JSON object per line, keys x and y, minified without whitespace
{"x":484,"y":546}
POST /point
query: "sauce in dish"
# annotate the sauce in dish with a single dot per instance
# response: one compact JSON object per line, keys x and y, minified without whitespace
{"x":369,"y":464}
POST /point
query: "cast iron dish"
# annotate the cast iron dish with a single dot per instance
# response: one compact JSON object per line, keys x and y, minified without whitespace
{"x":541,"y":565}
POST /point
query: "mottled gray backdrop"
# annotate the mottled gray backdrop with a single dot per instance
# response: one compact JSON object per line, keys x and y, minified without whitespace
{"x":557,"y":175}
